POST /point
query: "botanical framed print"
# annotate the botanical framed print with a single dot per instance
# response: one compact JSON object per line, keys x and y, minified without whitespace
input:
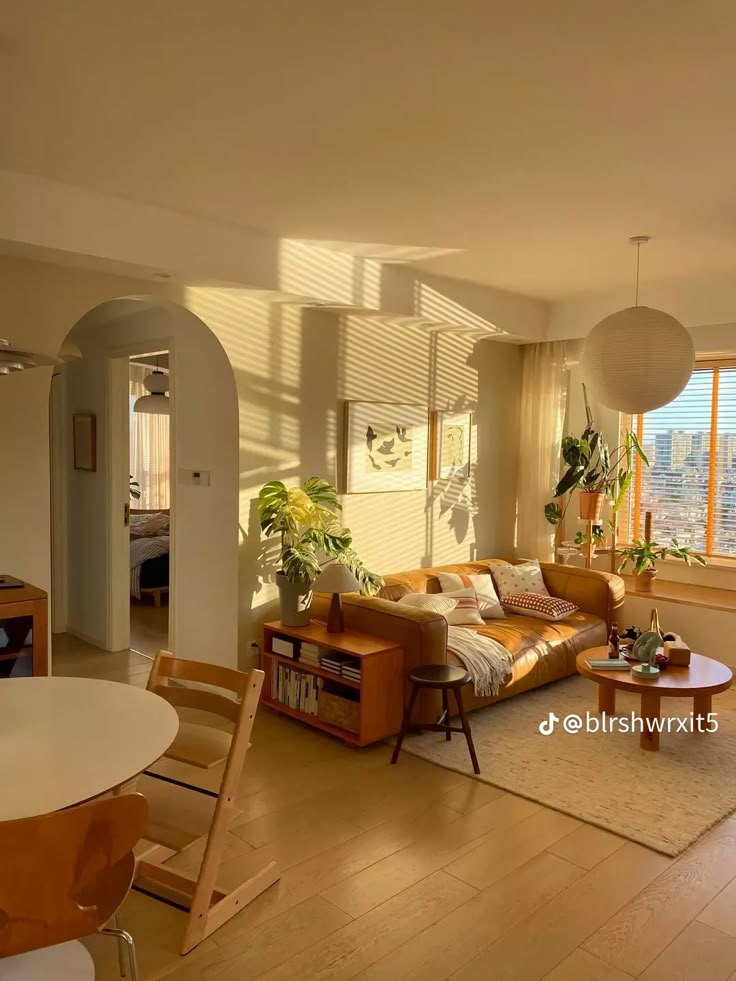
{"x":386,"y":446}
{"x":85,"y":441}
{"x":452,"y":433}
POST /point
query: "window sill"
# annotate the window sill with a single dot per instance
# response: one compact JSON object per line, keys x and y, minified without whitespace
{"x":706,"y":597}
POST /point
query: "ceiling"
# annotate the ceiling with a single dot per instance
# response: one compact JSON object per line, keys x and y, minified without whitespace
{"x":517,"y":145}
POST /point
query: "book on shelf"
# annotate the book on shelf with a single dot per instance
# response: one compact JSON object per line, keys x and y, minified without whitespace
{"x":295,"y":689}
{"x":350,"y":668}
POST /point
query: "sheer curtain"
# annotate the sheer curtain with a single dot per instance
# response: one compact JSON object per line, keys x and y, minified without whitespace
{"x":544,"y":392}
{"x":149,"y":448}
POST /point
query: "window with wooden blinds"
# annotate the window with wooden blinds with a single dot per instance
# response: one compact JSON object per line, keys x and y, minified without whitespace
{"x":690,"y":486}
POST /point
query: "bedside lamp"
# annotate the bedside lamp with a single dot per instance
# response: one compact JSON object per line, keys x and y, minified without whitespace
{"x":336,"y":578}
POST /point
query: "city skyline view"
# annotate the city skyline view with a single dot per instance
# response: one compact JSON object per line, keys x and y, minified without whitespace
{"x":689,"y":498}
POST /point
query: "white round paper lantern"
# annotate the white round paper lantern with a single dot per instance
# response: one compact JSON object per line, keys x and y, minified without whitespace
{"x":637,"y":360}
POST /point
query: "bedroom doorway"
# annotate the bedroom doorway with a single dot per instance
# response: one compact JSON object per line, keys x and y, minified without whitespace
{"x":150,"y":500}
{"x":91,"y":501}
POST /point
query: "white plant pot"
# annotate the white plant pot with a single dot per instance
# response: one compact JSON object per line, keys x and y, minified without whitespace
{"x":296,"y":602}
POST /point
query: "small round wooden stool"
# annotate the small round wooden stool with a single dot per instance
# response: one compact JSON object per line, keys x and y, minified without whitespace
{"x":447,"y":678}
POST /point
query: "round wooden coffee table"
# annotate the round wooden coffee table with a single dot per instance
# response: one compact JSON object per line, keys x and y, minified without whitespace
{"x":700,"y":681}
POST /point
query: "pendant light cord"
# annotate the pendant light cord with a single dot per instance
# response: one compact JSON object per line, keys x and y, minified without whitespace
{"x":636,"y":295}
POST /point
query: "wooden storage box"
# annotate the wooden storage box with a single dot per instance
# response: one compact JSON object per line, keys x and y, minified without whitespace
{"x":338,"y":711}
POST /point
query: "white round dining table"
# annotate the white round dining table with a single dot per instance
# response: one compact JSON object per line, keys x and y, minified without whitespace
{"x":67,"y":740}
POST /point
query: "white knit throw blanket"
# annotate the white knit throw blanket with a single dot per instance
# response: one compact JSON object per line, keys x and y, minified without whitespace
{"x":487,"y":661}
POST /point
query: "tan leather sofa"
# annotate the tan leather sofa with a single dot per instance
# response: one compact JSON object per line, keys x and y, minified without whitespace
{"x":542,"y":651}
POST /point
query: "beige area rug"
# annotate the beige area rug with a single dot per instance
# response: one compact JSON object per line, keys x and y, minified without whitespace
{"x":665,"y":800}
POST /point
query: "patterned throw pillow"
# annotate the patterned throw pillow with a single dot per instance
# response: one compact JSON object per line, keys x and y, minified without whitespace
{"x":460,"y":609}
{"x":523,"y":578}
{"x":540,"y":607}
{"x":488,"y":603}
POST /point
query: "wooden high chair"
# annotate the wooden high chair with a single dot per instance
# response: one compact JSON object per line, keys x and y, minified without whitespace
{"x":174,"y":829}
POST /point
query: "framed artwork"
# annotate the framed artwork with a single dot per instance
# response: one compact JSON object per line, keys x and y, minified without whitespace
{"x":85,"y":441}
{"x":386,"y":447}
{"x":452,"y":434}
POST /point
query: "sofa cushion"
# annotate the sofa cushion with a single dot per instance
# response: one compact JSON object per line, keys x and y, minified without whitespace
{"x":523,"y":578}
{"x":536,"y":605}
{"x":426,"y":580}
{"x":459,"y":608}
{"x":520,"y":633}
{"x":488,"y":603}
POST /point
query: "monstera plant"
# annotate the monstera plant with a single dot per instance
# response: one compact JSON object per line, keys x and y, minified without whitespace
{"x":307,"y":519}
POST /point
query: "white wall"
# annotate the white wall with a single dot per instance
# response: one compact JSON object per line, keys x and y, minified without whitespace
{"x":294,"y":367}
{"x":204,"y":437}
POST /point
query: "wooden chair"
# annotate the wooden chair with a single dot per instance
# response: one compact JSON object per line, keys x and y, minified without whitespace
{"x":63,"y":876}
{"x":174,"y":829}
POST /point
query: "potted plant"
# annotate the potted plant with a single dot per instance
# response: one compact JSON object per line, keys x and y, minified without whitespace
{"x":597,"y":538}
{"x":307,"y":519}
{"x":644,"y":555}
{"x":595,"y":471}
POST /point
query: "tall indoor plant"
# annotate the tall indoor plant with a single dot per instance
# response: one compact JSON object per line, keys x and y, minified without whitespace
{"x":595,"y":471}
{"x":307,"y":519}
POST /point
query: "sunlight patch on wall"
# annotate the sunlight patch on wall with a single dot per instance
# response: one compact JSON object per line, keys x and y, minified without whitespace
{"x":381,"y":364}
{"x":316,"y":272}
{"x":430,"y":303}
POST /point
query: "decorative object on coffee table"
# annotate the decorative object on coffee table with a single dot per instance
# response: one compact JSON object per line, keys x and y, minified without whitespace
{"x":704,"y":678}
{"x":446,"y":677}
{"x":645,"y":648}
{"x":336,"y":578}
{"x":677,"y":652}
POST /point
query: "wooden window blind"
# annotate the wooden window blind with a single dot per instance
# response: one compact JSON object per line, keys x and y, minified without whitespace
{"x":690,"y":486}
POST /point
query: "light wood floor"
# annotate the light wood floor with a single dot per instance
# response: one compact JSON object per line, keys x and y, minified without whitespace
{"x":416,"y":873}
{"x":149,"y":626}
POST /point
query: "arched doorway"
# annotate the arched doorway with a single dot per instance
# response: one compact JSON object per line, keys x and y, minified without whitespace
{"x":91,"y":542}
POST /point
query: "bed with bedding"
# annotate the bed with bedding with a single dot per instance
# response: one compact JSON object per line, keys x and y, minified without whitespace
{"x":149,"y":554}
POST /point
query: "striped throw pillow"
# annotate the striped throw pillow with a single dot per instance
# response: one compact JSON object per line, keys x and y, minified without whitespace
{"x":489,"y":606}
{"x":459,"y":609}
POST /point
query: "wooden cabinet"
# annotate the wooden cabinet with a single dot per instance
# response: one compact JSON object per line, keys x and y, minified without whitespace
{"x":373,"y":705}
{"x":23,"y":630}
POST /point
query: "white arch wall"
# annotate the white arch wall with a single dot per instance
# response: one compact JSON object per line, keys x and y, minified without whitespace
{"x":42,"y":302}
{"x":205,"y":437}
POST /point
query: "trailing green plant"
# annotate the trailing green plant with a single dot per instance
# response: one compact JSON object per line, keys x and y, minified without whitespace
{"x":135,"y":489}
{"x":592,"y":468}
{"x":307,"y":519}
{"x":644,"y":555}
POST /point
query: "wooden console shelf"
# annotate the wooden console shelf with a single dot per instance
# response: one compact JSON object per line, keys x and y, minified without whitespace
{"x":22,"y":609}
{"x":379,"y":691}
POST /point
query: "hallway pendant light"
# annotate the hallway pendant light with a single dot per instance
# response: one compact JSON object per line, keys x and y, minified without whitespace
{"x":12,"y":359}
{"x":637,"y":359}
{"x":157,"y":402}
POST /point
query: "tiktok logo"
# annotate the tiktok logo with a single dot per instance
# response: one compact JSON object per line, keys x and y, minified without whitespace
{"x":547,"y":726}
